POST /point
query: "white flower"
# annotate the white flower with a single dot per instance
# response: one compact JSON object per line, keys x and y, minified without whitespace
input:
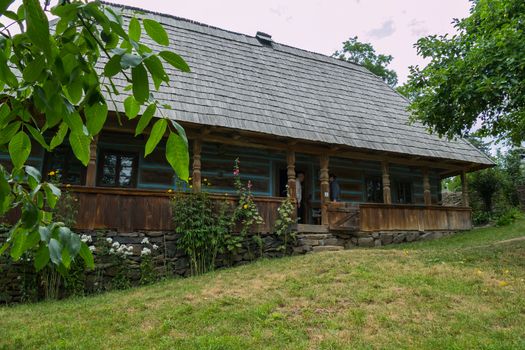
{"x":112,"y":251}
{"x":109,"y":240}
{"x":155,"y":247}
{"x":130,"y":248}
{"x":145,"y":241}
{"x":116,"y":245}
{"x":92,"y":248}
{"x":145,"y":251}
{"x":86,"y":238}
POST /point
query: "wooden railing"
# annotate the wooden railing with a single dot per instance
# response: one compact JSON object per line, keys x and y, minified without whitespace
{"x":128,"y":210}
{"x":385,"y":217}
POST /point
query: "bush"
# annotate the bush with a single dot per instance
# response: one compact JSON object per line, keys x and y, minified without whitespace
{"x":508,"y":217}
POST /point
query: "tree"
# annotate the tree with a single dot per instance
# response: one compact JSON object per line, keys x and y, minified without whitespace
{"x":364,"y":54}
{"x":49,"y":84}
{"x":476,"y":76}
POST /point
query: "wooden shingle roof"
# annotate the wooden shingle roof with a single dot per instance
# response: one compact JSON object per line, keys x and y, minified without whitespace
{"x":238,"y":82}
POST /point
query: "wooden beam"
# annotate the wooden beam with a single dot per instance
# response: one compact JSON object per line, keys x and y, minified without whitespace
{"x":91,"y":171}
{"x":325,"y":187}
{"x":387,"y":196}
{"x":290,"y":172}
{"x":464,"y":189}
{"x":196,"y":178}
{"x":427,"y":196}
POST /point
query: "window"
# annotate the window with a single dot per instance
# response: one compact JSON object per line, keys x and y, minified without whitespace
{"x":403,"y":192}
{"x":117,"y":169}
{"x":69,"y":167}
{"x":374,"y":190}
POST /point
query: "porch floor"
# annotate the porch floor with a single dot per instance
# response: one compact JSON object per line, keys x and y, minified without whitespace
{"x":306,"y":228}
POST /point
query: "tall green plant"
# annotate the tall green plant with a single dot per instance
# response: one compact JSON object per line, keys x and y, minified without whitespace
{"x":283,"y":224}
{"x":49,"y":83}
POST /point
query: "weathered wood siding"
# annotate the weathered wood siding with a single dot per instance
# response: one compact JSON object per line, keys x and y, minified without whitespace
{"x":135,"y":210}
{"x":382,"y":217}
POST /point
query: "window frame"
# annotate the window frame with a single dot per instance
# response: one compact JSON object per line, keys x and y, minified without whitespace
{"x":64,"y":171}
{"x":410,"y":186}
{"x":376,"y":178}
{"x":119,"y":153}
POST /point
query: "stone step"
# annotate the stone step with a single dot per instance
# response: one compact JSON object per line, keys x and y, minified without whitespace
{"x":315,"y":235}
{"x":305,"y":228}
{"x":327,"y":248}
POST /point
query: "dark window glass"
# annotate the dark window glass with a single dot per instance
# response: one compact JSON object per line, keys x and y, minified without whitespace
{"x":374,"y":190}
{"x":117,"y":169}
{"x":404,"y":192}
{"x":70,"y":169}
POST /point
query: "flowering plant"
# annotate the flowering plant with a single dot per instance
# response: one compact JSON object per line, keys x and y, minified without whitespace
{"x":147,"y":266}
{"x":246,"y":211}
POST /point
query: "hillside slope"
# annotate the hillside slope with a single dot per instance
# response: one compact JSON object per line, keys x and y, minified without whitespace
{"x":461,"y":292}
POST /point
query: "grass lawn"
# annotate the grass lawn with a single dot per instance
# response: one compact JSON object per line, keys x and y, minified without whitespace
{"x":461,"y":292}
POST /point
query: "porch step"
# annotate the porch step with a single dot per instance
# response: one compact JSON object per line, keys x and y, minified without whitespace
{"x":327,"y":248}
{"x":305,"y":228}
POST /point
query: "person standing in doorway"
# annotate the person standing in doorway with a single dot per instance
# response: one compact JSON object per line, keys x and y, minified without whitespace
{"x":335,"y":189}
{"x":299,"y":195}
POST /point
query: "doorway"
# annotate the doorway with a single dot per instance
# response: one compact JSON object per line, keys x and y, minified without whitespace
{"x":304,"y":212}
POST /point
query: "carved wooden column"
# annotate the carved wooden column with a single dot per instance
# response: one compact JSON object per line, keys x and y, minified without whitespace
{"x":387,"y":196}
{"x":290,"y":161}
{"x":464,"y":189}
{"x":91,"y":172}
{"x":427,"y":196}
{"x":325,"y":188}
{"x":196,"y":176}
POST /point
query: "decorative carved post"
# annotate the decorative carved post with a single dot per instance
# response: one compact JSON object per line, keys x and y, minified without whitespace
{"x":325,"y":188}
{"x":464,"y":189}
{"x":91,"y":172}
{"x":427,"y":196}
{"x":387,"y":196}
{"x":290,"y":161}
{"x":196,"y":176}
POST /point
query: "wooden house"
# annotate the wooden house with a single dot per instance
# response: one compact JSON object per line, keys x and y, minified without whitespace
{"x":280,"y":110}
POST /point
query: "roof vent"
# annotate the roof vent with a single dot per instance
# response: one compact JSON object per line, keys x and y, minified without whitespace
{"x":264,"y":38}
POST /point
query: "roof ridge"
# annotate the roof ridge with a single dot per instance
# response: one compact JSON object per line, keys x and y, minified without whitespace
{"x":334,"y":60}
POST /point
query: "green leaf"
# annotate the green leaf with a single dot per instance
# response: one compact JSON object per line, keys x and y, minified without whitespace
{"x":7,"y":133}
{"x":75,"y":123}
{"x":74,"y":244}
{"x":177,"y":155}
{"x":37,"y":26}
{"x":139,"y":76}
{"x":158,"y":130}
{"x":55,"y":251}
{"x":131,"y":107}
{"x":4,"y":5}
{"x":86,"y":254}
{"x":5,"y":192}
{"x":134,"y":29}
{"x":74,"y":90}
{"x":19,"y":149}
{"x":96,"y":116}
{"x":113,"y":66}
{"x":145,"y":118}
{"x":130,"y":60}
{"x":18,"y":239}
{"x":80,"y":144}
{"x":41,"y":257}
{"x":60,"y":135}
{"x":29,"y":216}
{"x":180,"y":130}
{"x":45,"y":233}
{"x":66,"y":258}
{"x":175,"y":60}
{"x":156,"y":31}
{"x":156,"y":69}
{"x":52,"y":194}
{"x":38,"y":136}
{"x":33,"y":172}
{"x":34,"y":68}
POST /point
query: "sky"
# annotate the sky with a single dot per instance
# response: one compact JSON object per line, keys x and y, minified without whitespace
{"x":392,"y":26}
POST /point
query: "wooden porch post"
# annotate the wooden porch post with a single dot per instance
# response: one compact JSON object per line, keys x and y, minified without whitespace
{"x":290,"y":166}
{"x":91,"y":172}
{"x":387,"y":196}
{"x":196,"y":176}
{"x":325,"y":188}
{"x":464,"y":189}
{"x":427,"y":196}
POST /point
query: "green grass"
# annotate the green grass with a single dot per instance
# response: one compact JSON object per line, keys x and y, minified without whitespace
{"x":461,"y":292}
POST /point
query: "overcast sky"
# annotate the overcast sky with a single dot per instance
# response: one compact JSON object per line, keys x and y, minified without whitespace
{"x":392,"y":26}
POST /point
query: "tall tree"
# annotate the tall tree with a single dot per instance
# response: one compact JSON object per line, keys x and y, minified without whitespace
{"x":476,"y":78}
{"x":49,"y":84}
{"x":364,"y":54}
